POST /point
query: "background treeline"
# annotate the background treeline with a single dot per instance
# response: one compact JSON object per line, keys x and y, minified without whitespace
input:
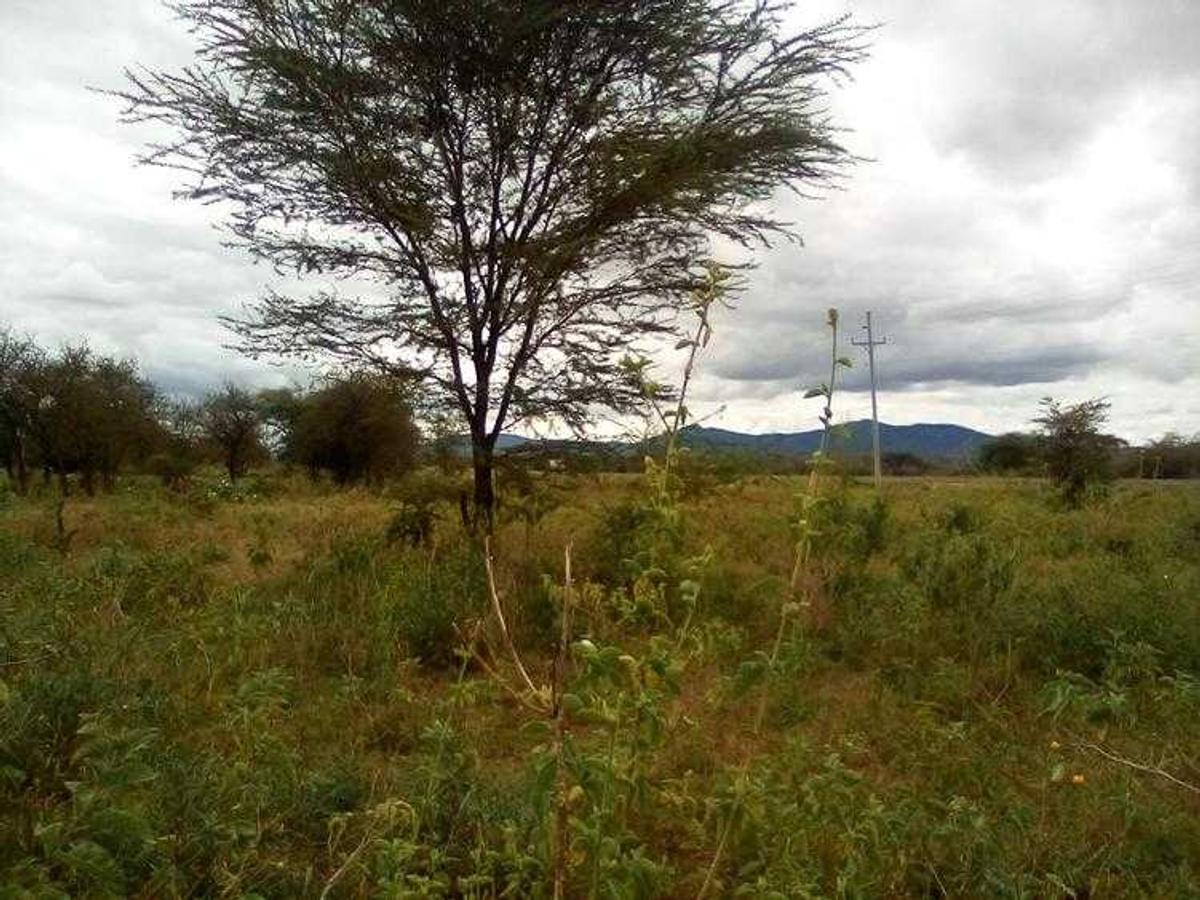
{"x":74,"y":414}
{"x":1171,"y":456}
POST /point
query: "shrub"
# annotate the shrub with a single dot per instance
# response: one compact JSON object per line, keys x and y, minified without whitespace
{"x":39,"y":727}
{"x":1008,"y":453}
{"x":412,"y":525}
{"x":358,"y":427}
{"x":1077,"y":456}
{"x":617,"y":538}
{"x":431,"y":598}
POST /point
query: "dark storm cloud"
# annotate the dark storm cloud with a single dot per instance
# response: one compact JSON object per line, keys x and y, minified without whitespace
{"x":975,"y":359}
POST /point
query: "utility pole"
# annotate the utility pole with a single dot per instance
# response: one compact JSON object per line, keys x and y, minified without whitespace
{"x":870,"y":343}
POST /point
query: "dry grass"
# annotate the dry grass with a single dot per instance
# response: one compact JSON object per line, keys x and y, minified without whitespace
{"x":906,"y":750}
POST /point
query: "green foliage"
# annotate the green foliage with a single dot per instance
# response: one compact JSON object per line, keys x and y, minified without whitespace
{"x":175,"y":721}
{"x":656,"y":127}
{"x":357,"y":427}
{"x":623,"y":697}
{"x":1011,"y":453}
{"x":1077,"y":456}
{"x":1171,"y":456}
{"x":72,"y":412}
{"x":232,"y":424}
{"x":412,"y":524}
{"x":960,"y":573}
{"x":431,"y":597}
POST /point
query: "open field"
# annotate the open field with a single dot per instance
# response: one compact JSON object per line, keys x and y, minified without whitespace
{"x":254,"y":691}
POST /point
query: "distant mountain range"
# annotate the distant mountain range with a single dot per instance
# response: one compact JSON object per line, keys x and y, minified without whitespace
{"x":927,"y":441}
{"x":849,"y":437}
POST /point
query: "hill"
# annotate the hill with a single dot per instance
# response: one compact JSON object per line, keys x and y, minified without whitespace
{"x":928,"y":441}
{"x":924,"y":440}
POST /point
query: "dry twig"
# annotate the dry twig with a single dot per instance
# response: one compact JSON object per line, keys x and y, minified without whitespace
{"x":1139,"y":767}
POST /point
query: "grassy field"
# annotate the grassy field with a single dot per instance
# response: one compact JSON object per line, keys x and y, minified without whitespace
{"x":265,"y":691}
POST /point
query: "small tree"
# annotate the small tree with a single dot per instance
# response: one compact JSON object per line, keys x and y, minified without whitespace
{"x":231,"y":423}
{"x":536,"y":182}
{"x":91,"y":414}
{"x":357,"y":428}
{"x":1076,"y":454}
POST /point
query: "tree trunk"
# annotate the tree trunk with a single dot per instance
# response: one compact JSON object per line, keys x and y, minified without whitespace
{"x":22,"y":468}
{"x":485,"y":490}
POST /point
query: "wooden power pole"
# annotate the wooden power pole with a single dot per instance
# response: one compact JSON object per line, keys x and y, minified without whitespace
{"x":870,"y":343}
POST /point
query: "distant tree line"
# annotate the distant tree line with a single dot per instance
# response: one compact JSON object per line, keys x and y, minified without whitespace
{"x":1022,"y":453}
{"x":1071,"y":448}
{"x":78,"y":414}
{"x":82,"y":415}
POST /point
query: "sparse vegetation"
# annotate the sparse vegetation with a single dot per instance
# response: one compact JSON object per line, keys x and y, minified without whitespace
{"x":261,"y":694}
{"x":632,"y":672}
{"x":685,"y":682}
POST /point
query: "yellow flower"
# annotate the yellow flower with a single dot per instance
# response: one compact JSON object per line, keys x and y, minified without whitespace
{"x":1077,"y":779}
{"x":1054,"y":745}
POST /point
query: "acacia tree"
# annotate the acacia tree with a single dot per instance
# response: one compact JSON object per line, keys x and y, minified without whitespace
{"x":358,"y":427}
{"x":1010,"y":452}
{"x":1076,"y":453}
{"x":534,"y":182}
{"x":87,"y":414}
{"x":230,"y":420}
{"x":180,"y":440}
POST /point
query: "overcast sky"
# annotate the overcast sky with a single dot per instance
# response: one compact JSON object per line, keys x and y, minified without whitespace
{"x":1028,"y":222}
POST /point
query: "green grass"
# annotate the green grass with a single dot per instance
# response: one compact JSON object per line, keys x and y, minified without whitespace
{"x":257,"y":693}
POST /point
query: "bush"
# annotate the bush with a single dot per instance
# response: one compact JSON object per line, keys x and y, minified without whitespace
{"x":173,"y":469}
{"x":357,"y":427}
{"x":618,"y":539}
{"x":412,"y":525}
{"x":1009,"y":453}
{"x":430,"y":599}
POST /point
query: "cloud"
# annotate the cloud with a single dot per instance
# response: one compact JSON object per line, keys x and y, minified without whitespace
{"x":1028,"y":222}
{"x":1030,"y":217}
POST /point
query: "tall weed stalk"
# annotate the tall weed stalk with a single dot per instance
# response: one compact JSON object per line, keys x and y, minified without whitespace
{"x":802,"y":585}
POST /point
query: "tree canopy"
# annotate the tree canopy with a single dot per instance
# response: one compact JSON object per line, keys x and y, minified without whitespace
{"x":357,"y":427}
{"x":534,"y":184}
{"x":1077,"y":455}
{"x":72,"y":412}
{"x":231,"y":422}
{"x":1009,"y":452}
